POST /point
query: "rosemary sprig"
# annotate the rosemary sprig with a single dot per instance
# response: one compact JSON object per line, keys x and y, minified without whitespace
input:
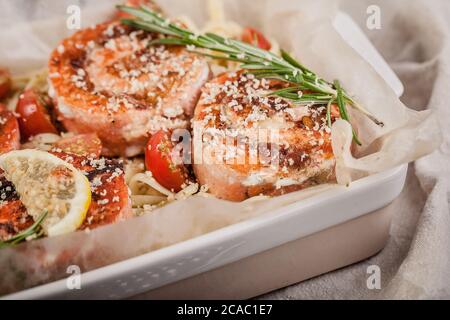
{"x":35,"y":230}
{"x":342,"y":109}
{"x":261,"y":63}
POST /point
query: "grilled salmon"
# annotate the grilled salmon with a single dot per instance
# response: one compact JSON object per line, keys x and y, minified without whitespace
{"x":261,"y":144}
{"x":9,"y":131}
{"x":108,"y":80}
{"x":110,"y":198}
{"x":13,"y":214}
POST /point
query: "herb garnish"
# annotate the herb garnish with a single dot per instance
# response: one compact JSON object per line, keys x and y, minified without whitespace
{"x":261,"y":63}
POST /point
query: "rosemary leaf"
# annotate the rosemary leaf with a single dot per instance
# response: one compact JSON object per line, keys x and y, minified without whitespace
{"x":329,"y":112}
{"x":343,"y":109}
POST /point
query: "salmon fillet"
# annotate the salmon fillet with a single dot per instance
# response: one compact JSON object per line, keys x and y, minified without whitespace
{"x":108,"y":80}
{"x":110,"y":198}
{"x":13,"y":214}
{"x":9,"y":131}
{"x":274,"y":147}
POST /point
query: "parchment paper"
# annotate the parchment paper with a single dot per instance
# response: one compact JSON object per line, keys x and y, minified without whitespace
{"x":406,"y":136}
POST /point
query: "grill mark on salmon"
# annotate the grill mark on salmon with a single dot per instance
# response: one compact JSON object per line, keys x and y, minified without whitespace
{"x":7,"y":190}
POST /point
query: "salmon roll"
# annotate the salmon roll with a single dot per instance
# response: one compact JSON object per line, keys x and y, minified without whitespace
{"x":109,"y":80}
{"x":262,"y":144}
{"x":110,"y":196}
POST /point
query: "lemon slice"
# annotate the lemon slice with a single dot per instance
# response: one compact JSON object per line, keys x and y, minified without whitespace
{"x":46,"y":183}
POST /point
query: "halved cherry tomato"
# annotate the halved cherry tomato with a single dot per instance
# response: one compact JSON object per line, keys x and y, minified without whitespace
{"x":34,"y":115}
{"x":256,"y":38}
{"x":88,"y":145}
{"x":5,"y":83}
{"x":9,"y":131}
{"x":158,"y":160}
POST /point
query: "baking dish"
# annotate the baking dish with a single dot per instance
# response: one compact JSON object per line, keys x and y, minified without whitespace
{"x":227,"y":247}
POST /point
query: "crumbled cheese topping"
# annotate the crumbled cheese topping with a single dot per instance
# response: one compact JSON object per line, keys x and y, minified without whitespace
{"x":119,"y":71}
{"x":235,"y":104}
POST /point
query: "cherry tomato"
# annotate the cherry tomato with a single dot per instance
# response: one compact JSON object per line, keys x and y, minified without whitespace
{"x":256,"y":38}
{"x":9,"y":131}
{"x":34,"y":117}
{"x":158,"y":160}
{"x":88,"y":145}
{"x":5,"y":83}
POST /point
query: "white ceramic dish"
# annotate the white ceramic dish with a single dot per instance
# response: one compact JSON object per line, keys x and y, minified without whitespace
{"x":225,"y":246}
